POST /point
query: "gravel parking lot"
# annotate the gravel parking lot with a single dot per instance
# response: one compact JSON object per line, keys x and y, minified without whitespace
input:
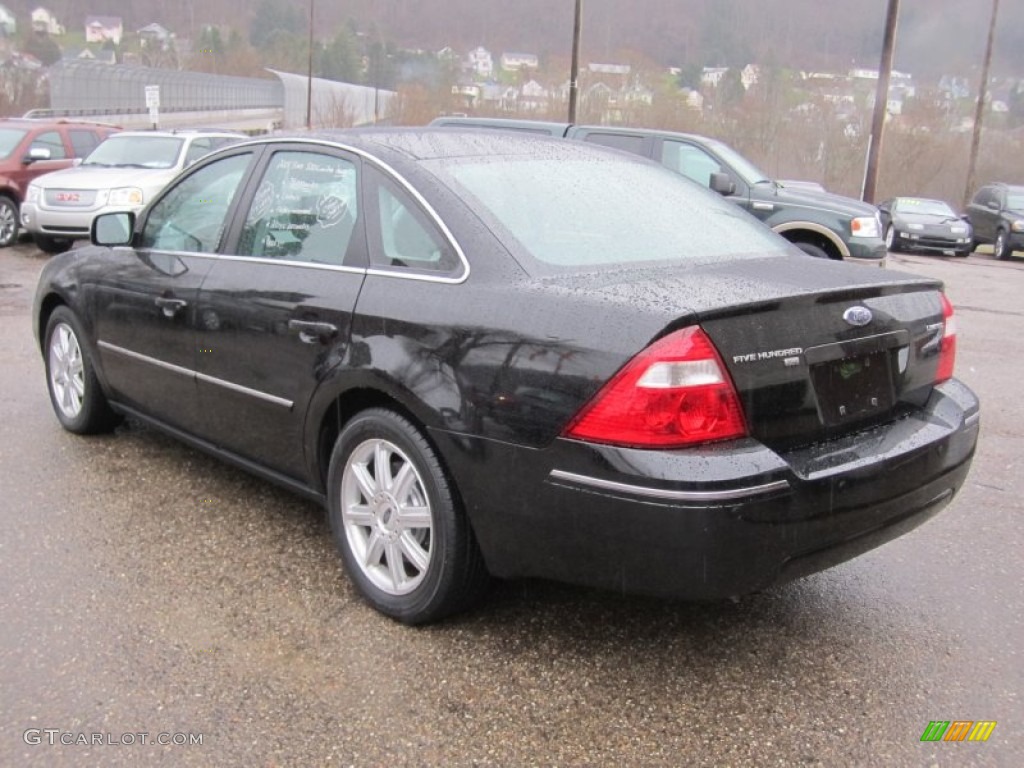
{"x":151,"y":589}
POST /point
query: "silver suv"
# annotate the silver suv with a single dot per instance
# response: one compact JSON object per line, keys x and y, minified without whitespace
{"x":123,"y":173}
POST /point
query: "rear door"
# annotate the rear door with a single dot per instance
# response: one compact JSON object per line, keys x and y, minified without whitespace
{"x":146,"y":297}
{"x":274,"y":316}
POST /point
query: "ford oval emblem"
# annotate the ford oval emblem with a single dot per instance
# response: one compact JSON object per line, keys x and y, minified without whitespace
{"x":858,"y":316}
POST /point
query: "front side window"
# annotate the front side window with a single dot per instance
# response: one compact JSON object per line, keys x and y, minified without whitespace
{"x":50,"y":140}
{"x":305,"y":209}
{"x":692,"y":162}
{"x":191,"y":216}
{"x":10,"y":138}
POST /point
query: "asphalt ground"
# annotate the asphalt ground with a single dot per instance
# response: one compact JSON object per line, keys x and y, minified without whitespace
{"x":149,"y":589}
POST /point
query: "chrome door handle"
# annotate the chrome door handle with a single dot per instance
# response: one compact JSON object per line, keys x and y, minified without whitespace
{"x":311,"y":331}
{"x":171,"y":307}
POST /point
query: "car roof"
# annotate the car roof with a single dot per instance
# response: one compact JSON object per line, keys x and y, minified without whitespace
{"x":184,"y":134}
{"x":431,"y":143}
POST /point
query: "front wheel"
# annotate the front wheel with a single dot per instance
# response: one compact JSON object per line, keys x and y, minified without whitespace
{"x":75,"y":392}
{"x":1001,"y":249}
{"x":402,"y":535}
{"x":890,"y":239}
{"x":49,"y":244}
{"x":8,"y":221}
{"x":812,"y":250}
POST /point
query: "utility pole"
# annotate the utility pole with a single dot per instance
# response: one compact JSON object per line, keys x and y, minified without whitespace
{"x":574,"y":70}
{"x":309,"y":71}
{"x":979,"y":112}
{"x":881,"y":103}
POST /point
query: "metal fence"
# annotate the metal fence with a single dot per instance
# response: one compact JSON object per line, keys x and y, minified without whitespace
{"x":90,"y":87}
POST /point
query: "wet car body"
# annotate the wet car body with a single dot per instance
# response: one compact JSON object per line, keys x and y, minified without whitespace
{"x":848,"y":438}
{"x":919,"y":224}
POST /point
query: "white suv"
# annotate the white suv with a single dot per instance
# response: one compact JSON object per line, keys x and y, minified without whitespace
{"x":123,"y":173}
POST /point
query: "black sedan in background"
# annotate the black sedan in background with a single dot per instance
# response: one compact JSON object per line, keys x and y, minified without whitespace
{"x":501,"y":355}
{"x":920,"y":224}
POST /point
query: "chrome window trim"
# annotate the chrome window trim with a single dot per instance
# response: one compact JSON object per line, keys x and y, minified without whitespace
{"x":402,"y":182}
{"x":193,"y":374}
{"x":665,"y":494}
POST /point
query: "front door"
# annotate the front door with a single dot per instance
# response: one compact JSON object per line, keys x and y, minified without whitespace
{"x":146,"y":297}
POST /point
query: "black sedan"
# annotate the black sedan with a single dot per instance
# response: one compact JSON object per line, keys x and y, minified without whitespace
{"x":511,"y":356}
{"x":920,"y":224}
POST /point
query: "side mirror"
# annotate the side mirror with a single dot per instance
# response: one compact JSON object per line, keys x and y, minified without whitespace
{"x":35,"y":154}
{"x":112,"y":229}
{"x":76,"y":162}
{"x":722,"y":184}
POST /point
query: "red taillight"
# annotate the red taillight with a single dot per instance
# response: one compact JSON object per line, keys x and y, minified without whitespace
{"x":674,"y":393}
{"x":947,"y":349}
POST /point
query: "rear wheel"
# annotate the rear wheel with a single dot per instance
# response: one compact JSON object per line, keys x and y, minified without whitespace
{"x":51,"y":244}
{"x":402,"y":535}
{"x":8,"y":221}
{"x":75,"y":392}
{"x":1001,"y":249}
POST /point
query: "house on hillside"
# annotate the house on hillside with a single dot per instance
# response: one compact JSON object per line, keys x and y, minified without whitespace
{"x":513,"y":62}
{"x":43,"y":20}
{"x":712,"y":76}
{"x":155,"y":36}
{"x":749,"y":76}
{"x":480,"y":62}
{"x":533,"y":97}
{"x":100,"y":29}
{"x":8,"y":24}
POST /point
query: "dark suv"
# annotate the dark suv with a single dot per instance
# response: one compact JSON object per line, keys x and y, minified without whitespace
{"x":818,"y":223}
{"x":997,"y":215}
{"x":30,"y":148}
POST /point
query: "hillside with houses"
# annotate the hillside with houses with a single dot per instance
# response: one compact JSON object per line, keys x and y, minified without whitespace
{"x":795,"y":118}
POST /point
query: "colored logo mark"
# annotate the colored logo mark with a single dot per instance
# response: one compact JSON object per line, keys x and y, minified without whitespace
{"x":958,"y":730}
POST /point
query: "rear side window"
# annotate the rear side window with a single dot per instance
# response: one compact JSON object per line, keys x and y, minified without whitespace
{"x":402,"y":235}
{"x":50,"y":140}
{"x":83,"y":142}
{"x":305,"y":209}
{"x":632,"y":144}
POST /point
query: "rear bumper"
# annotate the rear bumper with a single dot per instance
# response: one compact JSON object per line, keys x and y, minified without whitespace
{"x":716,"y":521}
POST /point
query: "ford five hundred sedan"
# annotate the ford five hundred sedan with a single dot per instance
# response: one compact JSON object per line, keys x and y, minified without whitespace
{"x":493,"y":355}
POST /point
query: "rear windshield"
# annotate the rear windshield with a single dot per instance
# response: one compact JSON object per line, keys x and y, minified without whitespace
{"x":137,"y":152}
{"x":584,"y":212}
{"x":10,"y":138}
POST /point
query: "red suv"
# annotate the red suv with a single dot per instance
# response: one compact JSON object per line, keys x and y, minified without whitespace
{"x":30,"y":148}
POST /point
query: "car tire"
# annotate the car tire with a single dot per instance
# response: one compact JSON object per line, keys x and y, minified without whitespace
{"x":1001,"y":248}
{"x":812,"y":250}
{"x":51,"y":244}
{"x":404,"y":539}
{"x":8,"y":221}
{"x":891,"y":243}
{"x":75,"y":391}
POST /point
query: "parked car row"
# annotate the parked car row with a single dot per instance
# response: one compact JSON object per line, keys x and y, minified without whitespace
{"x":123,"y":173}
